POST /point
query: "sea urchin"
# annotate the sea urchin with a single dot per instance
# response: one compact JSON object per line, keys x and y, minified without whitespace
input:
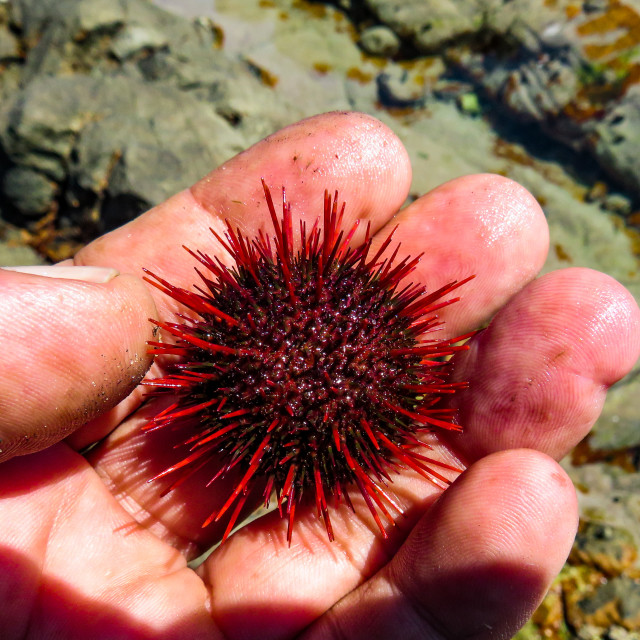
{"x":306,"y":371}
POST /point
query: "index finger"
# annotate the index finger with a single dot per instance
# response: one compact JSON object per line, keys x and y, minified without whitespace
{"x":349,"y":152}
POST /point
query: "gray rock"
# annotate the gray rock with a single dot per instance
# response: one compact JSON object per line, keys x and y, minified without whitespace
{"x":617,"y":203}
{"x":540,"y":89}
{"x":617,"y":140}
{"x":39,"y":125}
{"x":29,"y":191}
{"x":13,"y":251}
{"x":380,"y":41}
{"x":133,"y":39}
{"x":620,"y":633}
{"x":618,"y":426}
{"x":99,"y":16}
{"x":399,"y":88}
{"x":429,"y":24}
{"x":559,"y":66}
{"x":9,"y":48}
{"x":113,"y":137}
{"x":123,"y":103}
{"x":618,"y":597}
{"x":610,"y":549}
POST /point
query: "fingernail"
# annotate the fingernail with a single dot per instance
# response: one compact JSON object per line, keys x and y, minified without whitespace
{"x":97,"y":275}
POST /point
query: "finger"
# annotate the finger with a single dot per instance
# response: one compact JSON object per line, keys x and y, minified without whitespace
{"x":74,"y":349}
{"x":538,"y":375}
{"x":483,"y":225}
{"x":74,"y":565}
{"x":351,"y":152}
{"x":312,"y":573}
{"x":477,"y":564}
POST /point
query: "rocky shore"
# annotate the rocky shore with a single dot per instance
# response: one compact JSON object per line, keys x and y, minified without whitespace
{"x":107,"y":108}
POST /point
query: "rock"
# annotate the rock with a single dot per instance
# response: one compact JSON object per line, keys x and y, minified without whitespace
{"x":597,"y":192}
{"x":549,"y":616}
{"x":133,"y":39}
{"x":431,"y":25}
{"x":39,"y":125}
{"x":398,"y":88}
{"x":14,"y":252}
{"x":571,"y":69}
{"x":595,"y":5}
{"x":380,"y":41}
{"x":540,"y":89}
{"x":608,"y":496}
{"x":620,"y":633}
{"x":589,"y":632}
{"x":452,"y":91}
{"x":617,"y":203}
{"x":615,"y":601}
{"x":610,"y":549}
{"x":579,"y":583}
{"x":428,"y":24}
{"x":113,"y":137}
{"x":29,"y":191}
{"x":9,"y":47}
{"x":618,"y":426}
{"x":100,"y":16}
{"x":122,"y":105}
{"x":617,"y":140}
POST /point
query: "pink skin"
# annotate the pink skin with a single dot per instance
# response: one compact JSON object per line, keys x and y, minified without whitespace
{"x":471,"y":562}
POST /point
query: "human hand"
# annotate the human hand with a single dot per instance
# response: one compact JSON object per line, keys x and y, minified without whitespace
{"x":471,"y":562}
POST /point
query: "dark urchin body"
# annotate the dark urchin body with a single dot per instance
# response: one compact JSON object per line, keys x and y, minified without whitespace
{"x":310,"y":370}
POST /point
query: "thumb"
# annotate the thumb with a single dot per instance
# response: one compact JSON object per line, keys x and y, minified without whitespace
{"x":72,"y":345}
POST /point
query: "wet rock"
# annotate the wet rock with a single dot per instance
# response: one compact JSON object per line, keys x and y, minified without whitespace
{"x":617,"y":140}
{"x":610,"y":549}
{"x":120,"y":106}
{"x":398,"y":88}
{"x":9,"y":47}
{"x":14,"y":251}
{"x":540,"y":89}
{"x":571,"y":69}
{"x":615,"y":601}
{"x":110,"y":138}
{"x":380,"y":41}
{"x":133,"y":39}
{"x":617,"y":203}
{"x":29,"y":191}
{"x":428,"y":25}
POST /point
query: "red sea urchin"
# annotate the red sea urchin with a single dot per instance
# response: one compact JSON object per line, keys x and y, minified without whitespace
{"x":306,"y":371}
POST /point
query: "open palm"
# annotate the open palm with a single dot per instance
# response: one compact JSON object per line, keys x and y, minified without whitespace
{"x":89,"y":549}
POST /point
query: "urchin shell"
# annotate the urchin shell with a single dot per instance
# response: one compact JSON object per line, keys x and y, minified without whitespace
{"x":309,"y":371}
